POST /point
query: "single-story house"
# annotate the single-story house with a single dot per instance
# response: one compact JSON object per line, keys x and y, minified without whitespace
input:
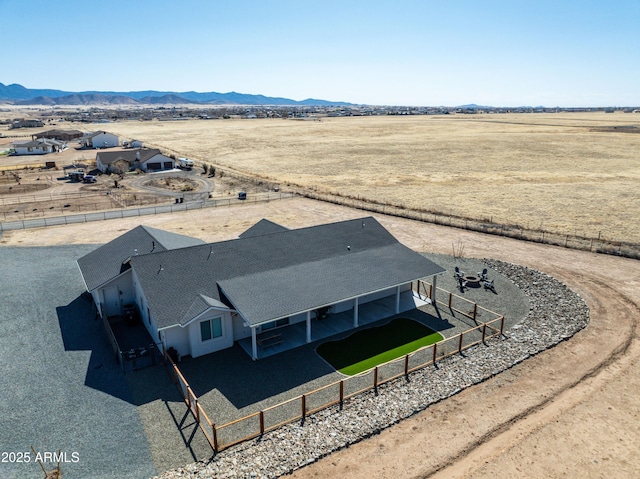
{"x":63,"y":135}
{"x":41,"y":146}
{"x":145,"y":159}
{"x":199,"y":298}
{"x":99,"y":139}
{"x":21,"y":123}
{"x":132,"y":144}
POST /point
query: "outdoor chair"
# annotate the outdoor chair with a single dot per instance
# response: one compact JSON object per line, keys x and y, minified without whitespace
{"x":457,"y":274}
{"x":483,"y":276}
{"x":489,"y":285}
{"x":462,"y":283}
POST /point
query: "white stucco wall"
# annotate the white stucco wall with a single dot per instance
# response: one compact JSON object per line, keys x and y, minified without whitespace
{"x":199,"y":347}
{"x":35,"y":150}
{"x":104,"y":139}
{"x":158,"y":159}
{"x":178,"y":338}
{"x":126,"y":293}
{"x":347,"y":305}
{"x":240,"y":329}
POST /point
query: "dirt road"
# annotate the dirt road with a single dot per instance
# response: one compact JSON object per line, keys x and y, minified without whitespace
{"x":571,"y":411}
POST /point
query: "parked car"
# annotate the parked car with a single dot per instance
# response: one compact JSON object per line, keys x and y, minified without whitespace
{"x":89,"y":179}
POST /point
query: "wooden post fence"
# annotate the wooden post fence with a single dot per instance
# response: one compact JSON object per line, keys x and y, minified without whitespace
{"x":261,"y":423}
{"x":211,"y":430}
{"x":304,"y":406}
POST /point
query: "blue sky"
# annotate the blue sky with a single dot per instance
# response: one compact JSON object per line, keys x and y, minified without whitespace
{"x":400,"y":52}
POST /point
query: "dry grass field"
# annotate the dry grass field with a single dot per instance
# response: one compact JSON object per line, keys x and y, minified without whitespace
{"x":571,"y":411}
{"x":571,"y":173}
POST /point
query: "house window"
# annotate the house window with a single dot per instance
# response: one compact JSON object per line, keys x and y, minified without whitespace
{"x":211,"y":328}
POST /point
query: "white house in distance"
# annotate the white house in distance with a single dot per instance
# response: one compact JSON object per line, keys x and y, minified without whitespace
{"x":145,"y":159}
{"x":199,"y":298}
{"x":99,"y":139}
{"x":40,"y":146}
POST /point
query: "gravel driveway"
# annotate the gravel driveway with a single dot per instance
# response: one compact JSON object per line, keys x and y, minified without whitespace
{"x":61,"y":387}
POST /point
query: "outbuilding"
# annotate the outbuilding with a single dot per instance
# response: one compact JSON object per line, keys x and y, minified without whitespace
{"x":99,"y":139}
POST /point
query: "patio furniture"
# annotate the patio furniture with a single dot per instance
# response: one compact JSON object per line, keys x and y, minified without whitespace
{"x":269,"y":340}
{"x":489,"y":285}
{"x":483,"y":276}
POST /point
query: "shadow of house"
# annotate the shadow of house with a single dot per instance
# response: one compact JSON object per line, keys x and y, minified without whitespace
{"x":244,"y":382}
{"x":81,"y":331}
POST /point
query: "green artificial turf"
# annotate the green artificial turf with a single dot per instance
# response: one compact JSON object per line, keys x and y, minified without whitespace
{"x":370,"y":347}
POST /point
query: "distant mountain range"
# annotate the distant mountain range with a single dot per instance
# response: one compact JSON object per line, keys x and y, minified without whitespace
{"x":19,"y":95}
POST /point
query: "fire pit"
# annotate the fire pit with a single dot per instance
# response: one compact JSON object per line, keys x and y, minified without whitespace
{"x":472,"y":281}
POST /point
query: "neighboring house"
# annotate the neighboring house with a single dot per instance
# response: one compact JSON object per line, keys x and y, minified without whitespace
{"x":132,"y":144}
{"x":20,"y":123}
{"x":63,"y":135}
{"x":99,"y":139}
{"x":41,"y":146}
{"x":202,"y":298}
{"x":145,"y":159}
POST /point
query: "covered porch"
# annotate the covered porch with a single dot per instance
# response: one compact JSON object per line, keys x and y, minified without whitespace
{"x":285,"y":338}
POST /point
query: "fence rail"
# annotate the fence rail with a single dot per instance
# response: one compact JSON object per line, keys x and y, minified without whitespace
{"x":140,"y":211}
{"x":337,"y":393}
{"x":598,"y":244}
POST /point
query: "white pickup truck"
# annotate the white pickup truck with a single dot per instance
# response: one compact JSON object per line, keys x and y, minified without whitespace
{"x":185,"y":163}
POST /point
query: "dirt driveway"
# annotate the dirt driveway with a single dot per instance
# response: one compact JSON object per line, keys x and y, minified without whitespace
{"x":571,"y":411}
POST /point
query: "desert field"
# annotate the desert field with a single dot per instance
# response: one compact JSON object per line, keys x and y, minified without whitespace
{"x":570,"y":173}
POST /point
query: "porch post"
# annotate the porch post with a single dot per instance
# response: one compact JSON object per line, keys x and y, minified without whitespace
{"x":355,"y":313}
{"x":308,"y":326}
{"x":433,"y":289}
{"x":254,"y":344}
{"x":397,"y":299}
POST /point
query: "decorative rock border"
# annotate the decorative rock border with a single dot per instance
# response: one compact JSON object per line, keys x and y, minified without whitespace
{"x":556,"y":313}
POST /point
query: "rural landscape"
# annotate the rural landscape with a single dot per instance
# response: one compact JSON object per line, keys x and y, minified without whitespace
{"x":353,"y":239}
{"x":555,"y":192}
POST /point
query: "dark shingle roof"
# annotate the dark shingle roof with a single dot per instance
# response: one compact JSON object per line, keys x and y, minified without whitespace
{"x":107,"y":157}
{"x":279,"y":274}
{"x":263,"y":227}
{"x":106,"y":262}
